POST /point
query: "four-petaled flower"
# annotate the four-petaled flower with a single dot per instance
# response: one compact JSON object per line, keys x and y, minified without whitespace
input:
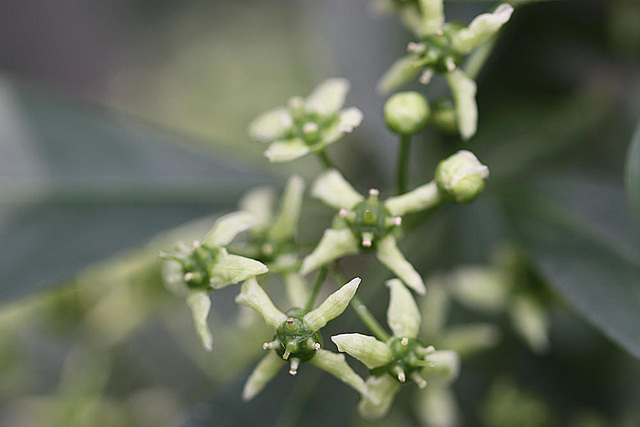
{"x":297,"y":338}
{"x":400,"y":358}
{"x":442,"y":49}
{"x":306,"y":125}
{"x":197,"y":271}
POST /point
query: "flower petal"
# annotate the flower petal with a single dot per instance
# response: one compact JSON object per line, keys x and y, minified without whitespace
{"x":286,"y":223}
{"x":479,"y":287}
{"x":400,"y":72}
{"x":252,"y":295}
{"x":368,"y":350}
{"x":226,"y":228}
{"x":173,"y":278}
{"x":531,"y":321}
{"x":433,"y":16}
{"x":437,"y":406}
{"x":349,"y":119}
{"x":333,"y":306}
{"x":403,"y":316}
{"x":334,"y":190}
{"x":434,"y":309}
{"x":200,"y":304}
{"x":336,"y":365}
{"x":424,"y":197}
{"x":229,"y":269}
{"x":259,"y":202}
{"x":296,"y":289}
{"x":380,"y":393}
{"x":481,"y":29}
{"x":271,"y":125}
{"x":333,"y":245}
{"x":470,"y":339}
{"x":464,"y":95}
{"x":389,"y":255}
{"x":445,"y":367}
{"x":328,"y":97}
{"x":286,"y":150}
{"x":264,"y":372}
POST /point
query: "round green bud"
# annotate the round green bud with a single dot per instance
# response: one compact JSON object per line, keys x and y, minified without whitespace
{"x":444,"y":115}
{"x":406,"y":113}
{"x":461,"y":176}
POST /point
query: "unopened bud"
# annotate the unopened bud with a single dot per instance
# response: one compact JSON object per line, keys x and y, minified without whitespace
{"x":406,"y":113}
{"x":461,"y":176}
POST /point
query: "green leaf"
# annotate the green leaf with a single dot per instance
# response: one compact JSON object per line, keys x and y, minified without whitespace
{"x":586,"y":242}
{"x":632,"y":171}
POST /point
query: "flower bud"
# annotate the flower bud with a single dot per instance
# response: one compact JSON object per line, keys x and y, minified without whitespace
{"x":461,"y":176}
{"x":406,"y":113}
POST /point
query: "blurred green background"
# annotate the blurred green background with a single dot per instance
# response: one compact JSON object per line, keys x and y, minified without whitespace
{"x":122,"y":120}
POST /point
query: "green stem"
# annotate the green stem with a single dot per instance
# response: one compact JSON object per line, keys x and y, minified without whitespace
{"x":325,"y":160}
{"x":362,"y":311}
{"x":316,"y":288}
{"x":403,"y":164}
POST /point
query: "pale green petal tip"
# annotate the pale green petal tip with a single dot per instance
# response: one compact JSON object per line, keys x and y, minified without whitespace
{"x":271,"y":125}
{"x":200,"y":304}
{"x":464,"y":94}
{"x":336,"y":365}
{"x":229,"y":269}
{"x":480,"y":287}
{"x":400,"y":72}
{"x":531,"y":321}
{"x":389,"y":255}
{"x":366,"y":349}
{"x":403,"y":315}
{"x":264,"y":372}
{"x":333,"y":189}
{"x":333,"y":306}
{"x":381,"y":391}
{"x":333,"y":245}
{"x":252,"y":295}
{"x":482,"y":28}
{"x":350,"y":119}
{"x":437,"y":406}
{"x":296,"y":289}
{"x":433,"y":15}
{"x":424,"y":197}
{"x":226,"y":228}
{"x":259,"y":202}
{"x":445,"y":367}
{"x":286,"y":223}
{"x":286,"y":150}
{"x":328,"y":97}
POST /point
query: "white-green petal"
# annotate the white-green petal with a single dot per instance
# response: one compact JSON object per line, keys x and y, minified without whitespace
{"x":445,"y":367}
{"x":264,"y":372}
{"x":435,"y":308}
{"x":531,"y":321}
{"x":349,"y":120}
{"x":226,"y":228}
{"x":379,"y":396}
{"x":332,"y":307}
{"x":368,"y":350}
{"x":286,"y":223}
{"x":389,"y":255}
{"x":286,"y":150}
{"x":411,"y":18}
{"x":436,"y":406}
{"x":296,"y":289}
{"x":400,"y":72}
{"x":403,"y":316}
{"x":259,"y":202}
{"x":229,"y":269}
{"x":333,"y":245}
{"x":328,"y":97}
{"x":479,"y":287}
{"x":200,"y":304}
{"x":336,"y":365}
{"x":173,"y":278}
{"x":424,"y":197}
{"x":469,"y":339}
{"x":271,"y":125}
{"x":481,"y":29}
{"x":432,"y":16}
{"x":334,"y":190}
{"x":252,"y":295}
{"x":464,"y":95}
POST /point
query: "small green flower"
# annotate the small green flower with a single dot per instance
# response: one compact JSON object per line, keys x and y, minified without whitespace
{"x":273,"y":237}
{"x":461,"y":176}
{"x":367,"y":225}
{"x":402,"y":357}
{"x":306,"y":125}
{"x":297,"y":338}
{"x":442,"y":49}
{"x":195,"y":272}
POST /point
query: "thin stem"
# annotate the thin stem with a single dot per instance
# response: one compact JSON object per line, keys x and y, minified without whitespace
{"x":403,"y":164}
{"x":362,"y":311}
{"x":479,"y":58}
{"x":316,"y":288}
{"x":325,"y":160}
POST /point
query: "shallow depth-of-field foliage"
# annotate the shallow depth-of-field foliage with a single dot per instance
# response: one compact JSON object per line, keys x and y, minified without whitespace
{"x":391,"y":212}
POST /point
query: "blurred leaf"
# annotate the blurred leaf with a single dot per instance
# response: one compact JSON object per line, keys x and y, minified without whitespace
{"x":78,"y":185}
{"x":587,"y":243}
{"x":632,"y":173}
